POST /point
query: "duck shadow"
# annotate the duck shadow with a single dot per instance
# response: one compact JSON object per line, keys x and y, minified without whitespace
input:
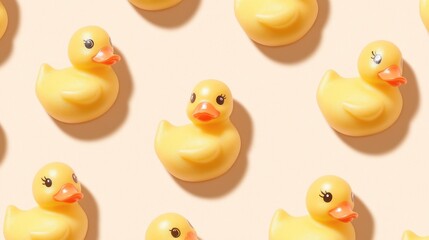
{"x":6,"y":43}
{"x":113,"y":118}
{"x":390,"y":138}
{"x":226,"y":183}
{"x":304,"y":47}
{"x":364,"y":224}
{"x":3,"y":144}
{"x":90,"y":207}
{"x":171,"y":17}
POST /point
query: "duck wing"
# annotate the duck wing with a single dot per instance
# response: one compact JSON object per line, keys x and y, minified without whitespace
{"x":365,"y":107}
{"x":82,"y":92}
{"x":56,"y":230}
{"x":202,"y":151}
{"x":278,"y":16}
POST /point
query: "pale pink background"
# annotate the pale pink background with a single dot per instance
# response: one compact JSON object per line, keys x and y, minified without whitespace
{"x":286,"y":142}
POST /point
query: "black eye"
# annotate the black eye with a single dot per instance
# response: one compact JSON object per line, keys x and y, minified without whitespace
{"x":193,"y":97}
{"x":220,"y":99}
{"x":47,"y":182}
{"x":175,"y":232}
{"x":89,"y":43}
{"x":74,"y":178}
{"x":327,"y":196}
{"x":376,"y":57}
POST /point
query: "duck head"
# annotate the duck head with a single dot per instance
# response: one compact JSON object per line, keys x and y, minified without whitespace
{"x":91,"y":47}
{"x":55,"y":185}
{"x":170,"y":226}
{"x":210,"y":102}
{"x":381,"y":62}
{"x":330,"y":199}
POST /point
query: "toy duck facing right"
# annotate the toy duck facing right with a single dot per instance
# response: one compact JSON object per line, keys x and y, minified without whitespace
{"x":89,"y":88}
{"x":3,"y":19}
{"x":154,"y":5}
{"x":330,"y":204}
{"x":276,"y":22}
{"x":408,"y":235}
{"x":424,"y":12}
{"x":170,"y":226}
{"x":57,"y":190}
{"x":367,"y":104}
{"x":209,"y":146}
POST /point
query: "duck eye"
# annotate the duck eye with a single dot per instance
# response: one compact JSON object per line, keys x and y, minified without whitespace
{"x":376,"y":57}
{"x":89,"y":43}
{"x":193,"y":97}
{"x":327,"y":196}
{"x":47,"y":182}
{"x":175,"y":232}
{"x":220,"y":99}
{"x":74,"y":178}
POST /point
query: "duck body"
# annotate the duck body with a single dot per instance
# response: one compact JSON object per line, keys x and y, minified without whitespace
{"x":408,"y":235}
{"x":154,"y":5}
{"x":3,"y":20}
{"x":355,"y":108}
{"x":75,"y":95}
{"x":68,"y":223}
{"x":286,"y":227}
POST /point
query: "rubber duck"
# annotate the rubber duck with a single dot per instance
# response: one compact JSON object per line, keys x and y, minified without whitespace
{"x":330,"y":203}
{"x":424,"y":12}
{"x":156,"y":5}
{"x":89,"y":88}
{"x":209,"y":146}
{"x":367,"y":104}
{"x":276,"y":22}
{"x":57,"y":191}
{"x":408,"y":235}
{"x":170,"y":226}
{"x":3,"y":19}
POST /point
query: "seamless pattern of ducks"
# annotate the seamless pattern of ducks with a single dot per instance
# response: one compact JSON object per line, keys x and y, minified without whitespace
{"x":56,"y":190}
{"x":89,"y":88}
{"x":170,"y":226}
{"x":3,"y":20}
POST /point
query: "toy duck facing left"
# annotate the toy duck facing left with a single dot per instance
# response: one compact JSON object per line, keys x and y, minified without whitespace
{"x":276,"y":22}
{"x":209,"y":146}
{"x":408,"y":235}
{"x":424,"y":12}
{"x":330,"y":204}
{"x":89,"y":88}
{"x":170,"y":226}
{"x":154,"y":5}
{"x":3,"y":19}
{"x":57,"y":190}
{"x":367,"y":104}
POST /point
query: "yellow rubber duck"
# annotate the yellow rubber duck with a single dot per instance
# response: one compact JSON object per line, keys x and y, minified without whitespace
{"x":424,"y":12}
{"x":370,"y":103}
{"x":56,"y":189}
{"x":87,"y":89}
{"x":408,"y":235}
{"x":276,"y":22}
{"x":330,"y":205}
{"x":154,"y":5}
{"x":3,"y":19}
{"x":209,"y":146}
{"x":170,"y":226}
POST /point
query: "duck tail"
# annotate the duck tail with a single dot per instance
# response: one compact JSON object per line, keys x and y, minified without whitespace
{"x":279,"y":217}
{"x":44,"y":69}
{"x":11,"y":212}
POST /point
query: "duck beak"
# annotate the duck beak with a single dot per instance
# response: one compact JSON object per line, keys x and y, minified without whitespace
{"x":68,"y":194}
{"x":393,"y":76}
{"x":343,"y":212}
{"x":191,"y":236}
{"x":106,"y":56}
{"x":205,"y":112}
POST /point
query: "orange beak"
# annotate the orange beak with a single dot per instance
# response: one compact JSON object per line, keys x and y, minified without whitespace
{"x":205,"y":112}
{"x":393,"y":76}
{"x":343,"y":212}
{"x":106,"y":56}
{"x":68,"y":194}
{"x":191,"y":236}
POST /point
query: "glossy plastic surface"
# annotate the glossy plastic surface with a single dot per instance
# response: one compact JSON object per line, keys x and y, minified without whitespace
{"x":330,"y":205}
{"x":3,"y":19}
{"x":209,"y":146}
{"x":56,"y":190}
{"x":170,"y":226}
{"x":408,"y":235}
{"x":424,"y":12}
{"x":276,"y":22}
{"x":369,"y":103}
{"x":154,"y":5}
{"x":89,"y":88}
